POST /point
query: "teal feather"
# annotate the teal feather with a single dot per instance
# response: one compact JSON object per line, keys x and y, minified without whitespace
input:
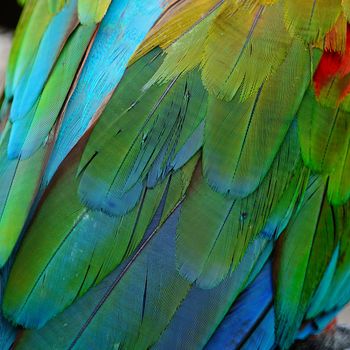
{"x":28,"y":90}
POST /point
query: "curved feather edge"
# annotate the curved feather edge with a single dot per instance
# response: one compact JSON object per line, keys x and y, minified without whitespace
{"x":250,"y":322}
{"x":155,"y":312}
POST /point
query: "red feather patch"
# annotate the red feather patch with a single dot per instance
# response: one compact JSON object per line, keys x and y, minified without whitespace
{"x":334,"y":68}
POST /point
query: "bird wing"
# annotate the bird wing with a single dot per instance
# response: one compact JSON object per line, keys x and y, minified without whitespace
{"x":158,"y":159}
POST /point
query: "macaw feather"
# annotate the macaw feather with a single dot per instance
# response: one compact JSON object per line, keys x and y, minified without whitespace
{"x":143,"y":125}
{"x":28,"y":155}
{"x":7,"y":330}
{"x":346,"y":8}
{"x":84,"y":244}
{"x":92,"y":11}
{"x":191,"y":319}
{"x":322,"y":132}
{"x":235,"y":64}
{"x":158,"y":157}
{"x":252,"y":315}
{"x":243,"y":137}
{"x":56,"y":5}
{"x":319,"y":299}
{"x":310,"y":19}
{"x":331,"y":80}
{"x":54,"y":93}
{"x":335,"y":39}
{"x":103,"y":70}
{"x":183,"y":55}
{"x":51,"y":44}
{"x":339,"y":184}
{"x":339,"y":291}
{"x":315,"y":243}
{"x":20,"y":180}
{"x":175,"y":23}
{"x":206,"y":254}
{"x":32,"y":26}
{"x":156,"y":312}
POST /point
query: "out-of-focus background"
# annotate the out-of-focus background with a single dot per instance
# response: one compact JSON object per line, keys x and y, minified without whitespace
{"x":5,"y":45}
{"x":8,"y":20}
{"x":344,"y":317}
{"x":9,"y":16}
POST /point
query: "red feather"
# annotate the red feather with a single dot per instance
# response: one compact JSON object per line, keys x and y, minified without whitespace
{"x":334,"y":65}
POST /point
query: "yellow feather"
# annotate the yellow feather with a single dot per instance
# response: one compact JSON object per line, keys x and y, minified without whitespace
{"x":346,"y":8}
{"x":310,"y":19}
{"x":243,"y":48}
{"x":184,"y":55}
{"x":177,"y":21}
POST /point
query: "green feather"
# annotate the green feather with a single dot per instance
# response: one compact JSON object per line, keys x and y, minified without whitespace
{"x":64,"y":249}
{"x":214,"y":230}
{"x":33,"y":23}
{"x":56,"y":90}
{"x":230,"y":65}
{"x":322,"y":131}
{"x":303,"y":254}
{"x":311,"y":19}
{"x":92,"y":11}
{"x":76,"y":247}
{"x":339,"y":184}
{"x":140,"y":124}
{"x":19,"y":182}
{"x":56,"y":5}
{"x":338,"y":292}
{"x":242,"y":138}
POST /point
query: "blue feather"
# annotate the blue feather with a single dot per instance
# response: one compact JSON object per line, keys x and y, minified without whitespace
{"x":193,"y":144}
{"x":7,"y":331}
{"x":190,"y":327}
{"x":149,"y":312}
{"x":114,"y":203}
{"x":318,"y":302}
{"x":250,"y":322}
{"x":89,"y":322}
{"x":28,"y":90}
{"x":19,"y":133}
{"x":122,"y":30}
{"x":317,"y":325}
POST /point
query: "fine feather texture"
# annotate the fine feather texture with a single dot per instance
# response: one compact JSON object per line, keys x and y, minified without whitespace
{"x":311,"y":19}
{"x":49,"y":48}
{"x":33,"y":23}
{"x":103,"y":70}
{"x":232,"y":224}
{"x":7,"y":331}
{"x":148,"y":124}
{"x":240,"y":68}
{"x":252,"y":316}
{"x":297,"y":282}
{"x":145,"y":308}
{"x":158,"y":158}
{"x":262,"y":120}
{"x":28,"y":139}
{"x":92,"y":11}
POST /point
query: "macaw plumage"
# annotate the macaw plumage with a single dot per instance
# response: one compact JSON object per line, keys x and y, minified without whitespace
{"x":175,"y":174}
